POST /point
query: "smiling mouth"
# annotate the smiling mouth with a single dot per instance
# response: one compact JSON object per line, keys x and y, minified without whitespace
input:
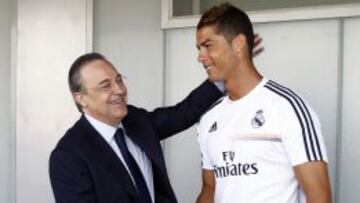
{"x":117,"y":101}
{"x":208,"y":68}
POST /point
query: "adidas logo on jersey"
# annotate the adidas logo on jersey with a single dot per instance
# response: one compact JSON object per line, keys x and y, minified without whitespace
{"x":213,"y":127}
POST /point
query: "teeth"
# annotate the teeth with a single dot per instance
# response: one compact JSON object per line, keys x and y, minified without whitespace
{"x":118,"y":101}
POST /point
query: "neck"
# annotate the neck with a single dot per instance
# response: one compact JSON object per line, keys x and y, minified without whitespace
{"x":242,"y":80}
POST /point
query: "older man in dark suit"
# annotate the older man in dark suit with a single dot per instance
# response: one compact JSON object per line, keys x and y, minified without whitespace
{"x":112,"y":154}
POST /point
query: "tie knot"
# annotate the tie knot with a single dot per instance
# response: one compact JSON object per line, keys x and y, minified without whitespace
{"x":119,"y":131}
{"x":119,"y":134}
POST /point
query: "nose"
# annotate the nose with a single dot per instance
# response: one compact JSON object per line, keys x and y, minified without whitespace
{"x":119,"y":88}
{"x":201,"y":56}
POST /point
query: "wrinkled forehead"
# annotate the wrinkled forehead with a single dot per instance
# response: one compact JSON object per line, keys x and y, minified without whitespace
{"x":97,"y":71}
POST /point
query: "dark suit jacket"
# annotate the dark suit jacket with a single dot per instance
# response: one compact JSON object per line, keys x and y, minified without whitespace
{"x":84,"y":168}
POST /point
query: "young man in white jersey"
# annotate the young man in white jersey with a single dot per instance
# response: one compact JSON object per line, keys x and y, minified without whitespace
{"x":261,"y":143}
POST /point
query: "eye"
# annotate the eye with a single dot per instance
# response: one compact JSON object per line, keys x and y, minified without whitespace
{"x":105,"y":86}
{"x":208,"y":45}
{"x":119,"y":80}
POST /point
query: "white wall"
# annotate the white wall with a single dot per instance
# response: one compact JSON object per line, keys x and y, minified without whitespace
{"x":350,"y":142}
{"x":51,"y":34}
{"x":5,"y":115}
{"x":129,"y":34}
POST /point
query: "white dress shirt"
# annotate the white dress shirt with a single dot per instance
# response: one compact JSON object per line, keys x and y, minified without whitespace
{"x":108,"y":132}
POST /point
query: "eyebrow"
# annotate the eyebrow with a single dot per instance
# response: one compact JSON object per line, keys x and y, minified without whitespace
{"x":108,"y":80}
{"x":202,"y":43}
{"x":104,"y":81}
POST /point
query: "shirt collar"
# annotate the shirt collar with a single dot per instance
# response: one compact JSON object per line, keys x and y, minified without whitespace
{"x":105,"y":130}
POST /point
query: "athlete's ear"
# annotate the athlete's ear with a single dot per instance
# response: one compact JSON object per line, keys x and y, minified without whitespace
{"x":239,"y":43}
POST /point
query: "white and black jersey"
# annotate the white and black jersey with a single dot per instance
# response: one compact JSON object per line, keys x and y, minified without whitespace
{"x":253,"y":143}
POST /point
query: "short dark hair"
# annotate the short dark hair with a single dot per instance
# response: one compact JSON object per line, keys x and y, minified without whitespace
{"x":74,"y":77}
{"x":229,"y":21}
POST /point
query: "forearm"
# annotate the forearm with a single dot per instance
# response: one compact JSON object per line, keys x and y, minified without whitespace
{"x":173,"y":119}
{"x":314,"y":180}
{"x":205,"y":197}
{"x":319,"y":198}
{"x":320,"y":195}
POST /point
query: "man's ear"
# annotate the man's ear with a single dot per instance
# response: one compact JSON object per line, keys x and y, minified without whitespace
{"x":79,"y":99}
{"x":239,"y":43}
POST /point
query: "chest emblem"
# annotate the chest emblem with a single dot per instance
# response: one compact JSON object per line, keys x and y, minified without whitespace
{"x":258,"y":119}
{"x":213,"y":127}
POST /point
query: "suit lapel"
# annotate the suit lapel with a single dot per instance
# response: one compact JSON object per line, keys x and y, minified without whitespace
{"x":107,"y":157}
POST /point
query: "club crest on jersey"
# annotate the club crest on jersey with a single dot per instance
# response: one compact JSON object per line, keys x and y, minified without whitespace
{"x":258,"y":120}
{"x":213,"y":127}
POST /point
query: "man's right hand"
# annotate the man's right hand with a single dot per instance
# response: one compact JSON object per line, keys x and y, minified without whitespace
{"x":257,"y":48}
